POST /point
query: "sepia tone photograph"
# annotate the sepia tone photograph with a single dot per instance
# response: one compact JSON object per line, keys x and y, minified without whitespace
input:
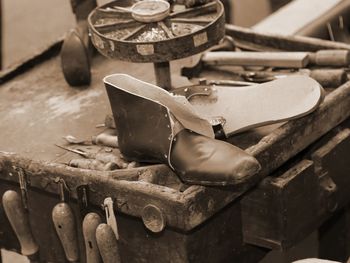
{"x":175,"y":131}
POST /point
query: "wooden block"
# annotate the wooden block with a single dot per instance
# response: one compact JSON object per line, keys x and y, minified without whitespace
{"x":283,"y":210}
{"x":273,"y":215}
{"x":332,"y":160}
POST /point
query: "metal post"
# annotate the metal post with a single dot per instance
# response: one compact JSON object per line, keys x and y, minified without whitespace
{"x":162,"y":72}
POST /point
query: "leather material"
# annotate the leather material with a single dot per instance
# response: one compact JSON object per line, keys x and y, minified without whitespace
{"x":149,"y":130}
{"x":244,"y":108}
{"x":177,"y":105}
{"x":201,"y":160}
{"x":143,"y":126}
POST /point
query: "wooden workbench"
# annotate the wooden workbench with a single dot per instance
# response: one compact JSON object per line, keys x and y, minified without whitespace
{"x":304,"y":163}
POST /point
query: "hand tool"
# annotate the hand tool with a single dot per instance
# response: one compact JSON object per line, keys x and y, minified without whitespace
{"x":19,"y":220}
{"x":328,"y":78}
{"x":333,"y":58}
{"x":90,"y":223}
{"x":107,"y":244}
{"x":64,"y":222}
{"x":106,"y":139}
{"x":100,"y":156}
{"x":73,"y":140}
{"x":92,"y":164}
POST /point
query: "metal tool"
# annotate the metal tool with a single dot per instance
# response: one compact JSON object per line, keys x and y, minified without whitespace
{"x":184,"y":31}
{"x":19,"y":220}
{"x":107,"y":244}
{"x":100,"y":156}
{"x":90,"y":224}
{"x":332,"y":58}
{"x":64,"y":222}
{"x":93,"y":164}
{"x":83,"y":199}
{"x":330,"y":78}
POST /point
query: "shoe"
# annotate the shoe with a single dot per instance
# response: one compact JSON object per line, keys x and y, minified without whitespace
{"x":155,"y":126}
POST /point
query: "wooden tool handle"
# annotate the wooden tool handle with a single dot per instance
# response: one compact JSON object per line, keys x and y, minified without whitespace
{"x":19,"y":221}
{"x":336,"y":58}
{"x":90,"y":223}
{"x":106,"y":140}
{"x":268,"y":59}
{"x":107,"y":244}
{"x":63,"y":219}
{"x":330,"y":78}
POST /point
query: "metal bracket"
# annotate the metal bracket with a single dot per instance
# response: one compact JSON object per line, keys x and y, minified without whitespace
{"x":83,"y":199}
{"x":63,"y":189}
{"x":22,"y":179}
{"x":330,"y":192}
{"x":110,"y":216}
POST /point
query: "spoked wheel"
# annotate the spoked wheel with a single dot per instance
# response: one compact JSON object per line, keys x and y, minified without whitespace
{"x":155,"y":31}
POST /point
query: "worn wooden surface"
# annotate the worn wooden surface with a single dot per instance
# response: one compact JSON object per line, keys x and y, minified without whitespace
{"x":55,"y":110}
{"x":334,"y":237}
{"x":285,"y":208}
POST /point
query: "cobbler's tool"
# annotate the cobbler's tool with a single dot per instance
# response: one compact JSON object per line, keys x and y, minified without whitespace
{"x":93,"y":164}
{"x":327,"y":77}
{"x":64,"y":222}
{"x":100,"y":156}
{"x":90,"y":224}
{"x":107,"y":244}
{"x":106,"y":139}
{"x":19,"y":220}
{"x":77,"y":50}
{"x":118,"y":32}
{"x":330,"y":58}
{"x":73,"y":140}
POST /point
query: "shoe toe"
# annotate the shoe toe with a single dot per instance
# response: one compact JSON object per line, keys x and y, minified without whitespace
{"x":201,"y":160}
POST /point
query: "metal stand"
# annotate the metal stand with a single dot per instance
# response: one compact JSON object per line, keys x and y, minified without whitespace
{"x":162,"y":72}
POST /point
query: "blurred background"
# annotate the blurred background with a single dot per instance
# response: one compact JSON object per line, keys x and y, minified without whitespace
{"x":30,"y":26}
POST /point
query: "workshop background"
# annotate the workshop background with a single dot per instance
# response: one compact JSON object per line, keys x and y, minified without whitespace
{"x":30,"y":26}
